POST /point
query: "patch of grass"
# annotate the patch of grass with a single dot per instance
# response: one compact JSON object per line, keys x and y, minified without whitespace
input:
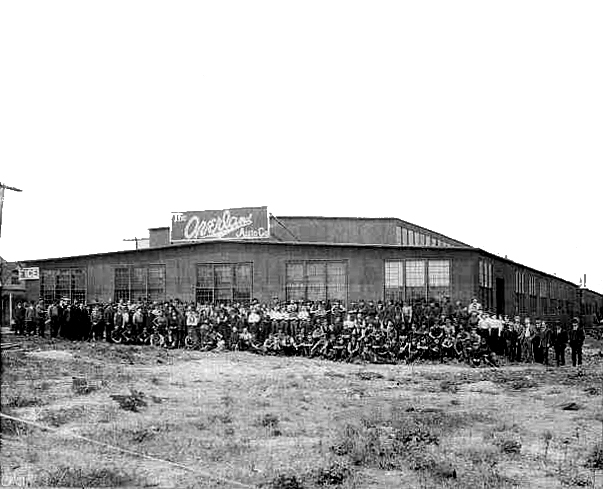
{"x":60,"y":417}
{"x":271,"y":422}
{"x":368,"y":375}
{"x":12,"y":428}
{"x":332,"y":474}
{"x":21,"y":400}
{"x":77,"y":477}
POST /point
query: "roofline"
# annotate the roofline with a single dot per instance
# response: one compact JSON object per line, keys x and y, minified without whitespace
{"x":508,"y":260}
{"x":591,"y":291}
{"x":376,"y":219}
{"x":247,"y":242}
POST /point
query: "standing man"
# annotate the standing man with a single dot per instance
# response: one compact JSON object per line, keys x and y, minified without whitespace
{"x":20,"y":318}
{"x":546,"y":341}
{"x":559,"y":343}
{"x":576,"y":340}
{"x":40,"y":318}
{"x":30,"y":318}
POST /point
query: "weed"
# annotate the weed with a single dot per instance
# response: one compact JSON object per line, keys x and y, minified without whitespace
{"x":10,"y":427}
{"x":132,"y":402}
{"x":547,"y":436}
{"x":227,"y":400}
{"x":223,"y":418}
{"x":269,"y":420}
{"x":449,"y":386}
{"x":507,"y":445}
{"x":594,"y":459}
{"x":333,"y":474}
{"x":283,"y":481}
{"x":368,"y":375}
{"x":20,"y":401}
{"x":63,"y":416}
{"x":71,"y":477}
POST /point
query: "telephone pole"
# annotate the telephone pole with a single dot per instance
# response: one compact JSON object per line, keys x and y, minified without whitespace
{"x":2,"y":187}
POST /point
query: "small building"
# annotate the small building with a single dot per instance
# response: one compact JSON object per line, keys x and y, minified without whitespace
{"x":12,"y":290}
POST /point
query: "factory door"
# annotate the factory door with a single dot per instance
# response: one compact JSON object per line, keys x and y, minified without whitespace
{"x":500,"y":296}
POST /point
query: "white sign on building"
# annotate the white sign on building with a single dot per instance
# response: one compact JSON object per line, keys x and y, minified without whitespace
{"x":32,"y":273}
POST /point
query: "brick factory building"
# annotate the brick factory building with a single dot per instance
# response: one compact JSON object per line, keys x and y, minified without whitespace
{"x":307,"y":258}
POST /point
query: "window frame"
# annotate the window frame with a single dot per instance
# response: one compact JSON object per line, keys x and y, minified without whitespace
{"x":132,"y":294}
{"x":326,"y":285}
{"x":209,"y":291}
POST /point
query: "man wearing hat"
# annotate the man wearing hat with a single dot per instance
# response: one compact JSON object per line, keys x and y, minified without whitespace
{"x":576,"y":340}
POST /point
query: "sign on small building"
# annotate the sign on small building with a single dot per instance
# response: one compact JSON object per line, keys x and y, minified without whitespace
{"x":240,"y":223}
{"x":32,"y":273}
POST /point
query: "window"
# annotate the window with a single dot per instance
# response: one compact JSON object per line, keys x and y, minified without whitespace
{"x":415,"y":279}
{"x":411,"y":237}
{"x":485,"y":280}
{"x":439,"y":278}
{"x":296,"y":288}
{"x":224,"y":282}
{"x":394,"y":281}
{"x":405,"y":237}
{"x":398,"y":235}
{"x":316,"y":283}
{"x":68,"y":283}
{"x":316,"y":280}
{"x":136,"y":283}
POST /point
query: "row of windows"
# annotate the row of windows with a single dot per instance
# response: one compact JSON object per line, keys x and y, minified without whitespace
{"x":410,"y":237}
{"x":416,"y":279}
{"x":544,"y":306}
{"x":485,"y":273}
{"x":541,"y":287}
{"x":305,"y":280}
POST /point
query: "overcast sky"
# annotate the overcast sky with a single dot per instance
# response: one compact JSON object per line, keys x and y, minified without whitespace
{"x":481,"y":120}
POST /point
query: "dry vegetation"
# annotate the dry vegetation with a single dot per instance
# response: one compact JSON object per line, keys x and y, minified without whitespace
{"x":289,"y":423}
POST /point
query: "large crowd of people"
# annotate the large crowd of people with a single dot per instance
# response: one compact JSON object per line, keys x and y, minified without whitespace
{"x":366,"y":331}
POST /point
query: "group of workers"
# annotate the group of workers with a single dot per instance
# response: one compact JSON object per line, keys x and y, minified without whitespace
{"x":368,"y":331}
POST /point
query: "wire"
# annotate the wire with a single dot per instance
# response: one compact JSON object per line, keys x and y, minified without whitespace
{"x":232,"y":482}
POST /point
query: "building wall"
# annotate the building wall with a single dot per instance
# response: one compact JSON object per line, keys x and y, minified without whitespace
{"x":365,"y":267}
{"x":559,"y":307}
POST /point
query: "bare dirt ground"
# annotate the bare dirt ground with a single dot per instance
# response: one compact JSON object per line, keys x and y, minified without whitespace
{"x":289,"y":423}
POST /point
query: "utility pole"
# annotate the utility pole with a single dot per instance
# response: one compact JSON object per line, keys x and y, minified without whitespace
{"x":137,"y":240}
{"x":2,"y":187}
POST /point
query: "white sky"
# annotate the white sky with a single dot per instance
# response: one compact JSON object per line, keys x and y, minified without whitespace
{"x":481,"y":120}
